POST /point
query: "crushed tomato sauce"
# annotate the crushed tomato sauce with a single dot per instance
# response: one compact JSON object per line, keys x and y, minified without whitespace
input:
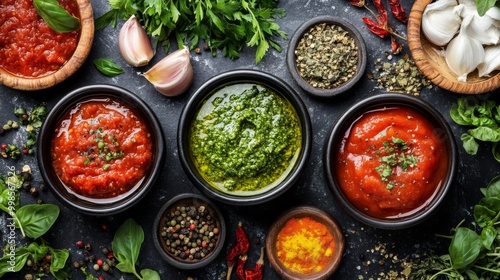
{"x":415,"y":170}
{"x":28,"y":46}
{"x":101,"y":149}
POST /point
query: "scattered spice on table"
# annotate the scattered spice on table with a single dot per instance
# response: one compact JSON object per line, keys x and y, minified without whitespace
{"x":401,"y":76}
{"x":240,"y":248}
{"x":326,"y":56}
{"x":305,"y":245}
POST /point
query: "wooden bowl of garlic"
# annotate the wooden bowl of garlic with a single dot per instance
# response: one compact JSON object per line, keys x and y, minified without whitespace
{"x":454,"y":47}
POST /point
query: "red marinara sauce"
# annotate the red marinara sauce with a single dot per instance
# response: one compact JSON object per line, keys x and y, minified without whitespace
{"x":28,"y":46}
{"x":101,"y":149}
{"x":391,"y":162}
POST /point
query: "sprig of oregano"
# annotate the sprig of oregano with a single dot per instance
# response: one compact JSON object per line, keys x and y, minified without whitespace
{"x":224,"y":25}
{"x":56,"y":16}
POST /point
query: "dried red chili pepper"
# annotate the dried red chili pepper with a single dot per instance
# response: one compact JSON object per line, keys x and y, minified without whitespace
{"x":357,"y":3}
{"x":239,"y":248}
{"x":398,"y":11}
{"x":256,"y":273}
{"x":240,"y":267}
{"x":376,"y":28}
{"x":382,"y":17}
{"x":395,"y":46}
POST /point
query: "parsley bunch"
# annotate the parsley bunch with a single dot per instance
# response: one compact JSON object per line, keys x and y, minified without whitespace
{"x":227,"y":25}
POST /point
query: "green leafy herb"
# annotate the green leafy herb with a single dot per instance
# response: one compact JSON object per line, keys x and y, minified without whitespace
{"x":56,"y":16}
{"x":471,"y":255}
{"x":36,"y":219}
{"x":126,"y":247}
{"x":224,"y":25}
{"x":394,"y":156}
{"x":484,"y":5}
{"x":483,"y":118}
{"x":107,"y":67}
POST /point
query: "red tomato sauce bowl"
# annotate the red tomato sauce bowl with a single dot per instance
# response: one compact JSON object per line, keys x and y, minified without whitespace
{"x":100,"y":149}
{"x":390,"y":160}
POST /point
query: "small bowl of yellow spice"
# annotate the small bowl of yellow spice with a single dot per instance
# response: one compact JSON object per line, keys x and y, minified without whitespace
{"x":305,"y":243}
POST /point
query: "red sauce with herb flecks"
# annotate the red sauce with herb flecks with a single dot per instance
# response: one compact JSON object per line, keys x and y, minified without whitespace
{"x":391,"y":162}
{"x":101,"y":149}
{"x":28,"y":46}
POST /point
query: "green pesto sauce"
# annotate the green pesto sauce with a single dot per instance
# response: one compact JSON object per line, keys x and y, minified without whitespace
{"x":245,"y":139}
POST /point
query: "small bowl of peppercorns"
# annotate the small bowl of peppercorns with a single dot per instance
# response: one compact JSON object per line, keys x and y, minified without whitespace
{"x":189,"y":231}
{"x":326,"y":56}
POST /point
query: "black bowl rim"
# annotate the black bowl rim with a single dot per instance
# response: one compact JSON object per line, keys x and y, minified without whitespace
{"x":60,"y":109}
{"x":306,"y":211}
{"x":222,"y":236}
{"x":230,"y":77}
{"x":290,"y":59}
{"x":380,"y":101}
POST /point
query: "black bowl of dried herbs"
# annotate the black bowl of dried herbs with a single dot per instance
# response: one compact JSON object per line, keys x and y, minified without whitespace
{"x":326,"y":56}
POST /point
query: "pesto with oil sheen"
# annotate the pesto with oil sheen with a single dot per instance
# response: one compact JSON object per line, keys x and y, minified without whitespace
{"x":245,"y":138}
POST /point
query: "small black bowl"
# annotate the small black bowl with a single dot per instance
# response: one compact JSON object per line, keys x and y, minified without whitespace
{"x":161,"y":221}
{"x":206,"y":91}
{"x":299,"y":34}
{"x":99,"y":206}
{"x":335,"y":141}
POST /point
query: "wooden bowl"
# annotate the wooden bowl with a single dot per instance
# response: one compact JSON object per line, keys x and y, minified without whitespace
{"x":316,"y":215}
{"x":434,"y":66}
{"x":71,"y":66}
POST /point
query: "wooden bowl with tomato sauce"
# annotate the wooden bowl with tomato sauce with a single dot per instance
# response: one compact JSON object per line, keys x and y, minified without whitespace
{"x":390,"y":160}
{"x":34,"y":55}
{"x":100,"y":150}
{"x":305,"y":243}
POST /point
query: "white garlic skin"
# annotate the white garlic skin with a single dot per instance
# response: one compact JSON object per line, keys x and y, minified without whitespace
{"x":482,"y":28}
{"x":134,"y":44}
{"x":440,"y":22}
{"x":491,"y":61}
{"x":464,"y":53}
{"x":173,"y":74}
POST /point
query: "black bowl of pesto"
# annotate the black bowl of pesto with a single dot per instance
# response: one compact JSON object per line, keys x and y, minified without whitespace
{"x":244,"y":137}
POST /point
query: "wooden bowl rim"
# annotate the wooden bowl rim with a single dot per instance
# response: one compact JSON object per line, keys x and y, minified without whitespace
{"x":317,"y":215}
{"x":72,"y":65}
{"x":432,"y":73}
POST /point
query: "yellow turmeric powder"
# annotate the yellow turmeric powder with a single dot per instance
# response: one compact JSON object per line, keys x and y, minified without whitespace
{"x":304,"y":245}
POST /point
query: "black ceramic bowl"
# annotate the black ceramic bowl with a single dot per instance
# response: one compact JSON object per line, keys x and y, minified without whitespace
{"x":446,"y":164}
{"x":163,"y":221}
{"x":222,"y":81}
{"x":361,"y":54}
{"x":99,"y":206}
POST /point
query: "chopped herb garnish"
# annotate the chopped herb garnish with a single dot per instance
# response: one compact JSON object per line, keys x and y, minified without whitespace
{"x":394,"y":157}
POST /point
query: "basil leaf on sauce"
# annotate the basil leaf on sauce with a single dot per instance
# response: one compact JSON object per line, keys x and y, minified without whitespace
{"x":56,"y":16}
{"x":107,"y":67}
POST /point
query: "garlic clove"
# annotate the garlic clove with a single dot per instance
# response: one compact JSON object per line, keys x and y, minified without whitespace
{"x":482,"y":28}
{"x":134,"y":43}
{"x":440,"y":22}
{"x":464,"y":53}
{"x":173,"y":74}
{"x":491,"y":61}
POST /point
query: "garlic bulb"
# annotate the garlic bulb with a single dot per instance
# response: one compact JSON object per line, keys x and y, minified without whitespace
{"x":464,"y":53}
{"x":173,"y":74}
{"x":482,"y":28}
{"x":439,"y":22}
{"x":491,"y":61}
{"x":134,"y":43}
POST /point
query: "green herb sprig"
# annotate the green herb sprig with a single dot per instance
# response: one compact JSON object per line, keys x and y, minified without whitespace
{"x":484,"y":119}
{"x":126,"y":246}
{"x":108,"y":67}
{"x":472,"y":254}
{"x":224,"y":25}
{"x":56,"y":16}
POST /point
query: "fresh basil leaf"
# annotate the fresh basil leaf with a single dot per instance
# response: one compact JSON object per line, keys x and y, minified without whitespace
{"x":493,"y":188}
{"x":483,"y":215}
{"x":488,"y":235}
{"x":495,"y":150}
{"x":56,"y":16}
{"x":485,"y":133}
{"x":38,"y":251}
{"x":150,"y":274}
{"x":109,"y":18}
{"x":464,"y":248}
{"x":484,"y":5}
{"x":58,"y":262}
{"x":469,"y":143}
{"x":127,"y":244}
{"x":107,"y":67}
{"x":8,"y":265}
{"x":36,"y":219}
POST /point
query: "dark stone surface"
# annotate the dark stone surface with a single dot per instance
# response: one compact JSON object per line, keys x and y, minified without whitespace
{"x":311,"y":189}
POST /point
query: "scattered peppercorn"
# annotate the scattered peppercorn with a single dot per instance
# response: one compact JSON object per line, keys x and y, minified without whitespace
{"x":79,"y":244}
